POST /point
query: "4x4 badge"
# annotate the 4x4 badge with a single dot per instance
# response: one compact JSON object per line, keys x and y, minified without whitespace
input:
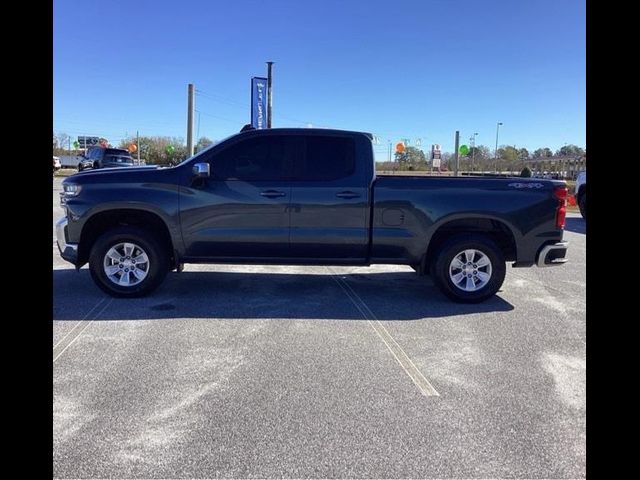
{"x":526,"y":185}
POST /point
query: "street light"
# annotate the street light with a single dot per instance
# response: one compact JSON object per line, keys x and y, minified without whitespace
{"x":473,"y":152}
{"x":496,"y":150}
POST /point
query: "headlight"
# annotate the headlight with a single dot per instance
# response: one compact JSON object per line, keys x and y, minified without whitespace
{"x":71,"y":189}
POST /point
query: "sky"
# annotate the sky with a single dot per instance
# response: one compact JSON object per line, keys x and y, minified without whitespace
{"x":398,"y":69}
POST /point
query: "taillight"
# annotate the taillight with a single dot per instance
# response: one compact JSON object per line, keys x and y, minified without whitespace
{"x":561,"y":193}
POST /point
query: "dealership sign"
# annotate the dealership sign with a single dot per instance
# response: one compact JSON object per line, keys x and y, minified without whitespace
{"x":258,"y":102}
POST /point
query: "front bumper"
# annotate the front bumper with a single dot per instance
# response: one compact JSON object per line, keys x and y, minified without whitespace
{"x":552,"y":255}
{"x":68,"y":251}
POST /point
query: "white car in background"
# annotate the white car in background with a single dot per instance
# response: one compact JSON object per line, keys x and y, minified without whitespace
{"x":56,"y":163}
{"x":581,"y":193}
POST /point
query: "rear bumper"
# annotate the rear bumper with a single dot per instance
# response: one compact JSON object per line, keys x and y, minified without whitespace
{"x":552,"y":255}
{"x":68,"y":251}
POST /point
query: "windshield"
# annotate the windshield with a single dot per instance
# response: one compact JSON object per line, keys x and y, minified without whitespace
{"x":207,"y":149}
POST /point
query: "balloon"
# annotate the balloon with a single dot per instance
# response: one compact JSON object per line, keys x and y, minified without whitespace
{"x":170,"y":149}
{"x":76,"y":144}
{"x":132,"y":148}
{"x":464,"y":149}
{"x":400,"y":147}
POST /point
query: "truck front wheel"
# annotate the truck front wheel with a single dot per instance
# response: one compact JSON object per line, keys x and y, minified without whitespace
{"x":469,"y":268}
{"x":128,"y":262}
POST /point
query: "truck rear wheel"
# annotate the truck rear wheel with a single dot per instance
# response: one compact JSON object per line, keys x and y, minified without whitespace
{"x":469,"y":268}
{"x":128,"y":262}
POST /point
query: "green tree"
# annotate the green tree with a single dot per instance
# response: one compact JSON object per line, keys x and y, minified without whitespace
{"x":153,"y":150}
{"x":542,"y":152}
{"x":411,"y":159}
{"x":508,"y":153}
{"x":523,"y":154}
{"x":507,"y":158}
{"x":386,"y":166}
{"x":481,"y":157}
{"x":203,"y":142}
{"x":570,"y":151}
{"x":525,"y":172}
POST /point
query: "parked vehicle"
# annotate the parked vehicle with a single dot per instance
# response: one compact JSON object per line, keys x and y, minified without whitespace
{"x":70,"y":161}
{"x":306,"y":197}
{"x":56,"y":164}
{"x":581,"y":193}
{"x":100,"y":157}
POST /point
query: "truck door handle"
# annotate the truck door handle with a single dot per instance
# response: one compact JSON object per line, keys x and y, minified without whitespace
{"x":347,"y":194}
{"x":272,"y":194}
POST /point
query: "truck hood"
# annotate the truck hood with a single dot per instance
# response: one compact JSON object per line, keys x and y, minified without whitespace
{"x":107,"y":171}
{"x":146,"y":173}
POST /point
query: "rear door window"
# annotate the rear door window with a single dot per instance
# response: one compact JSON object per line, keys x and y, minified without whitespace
{"x":327,"y":158}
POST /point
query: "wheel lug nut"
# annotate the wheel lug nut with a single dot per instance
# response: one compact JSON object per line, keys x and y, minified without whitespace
{"x":475,"y":272}
{"x":120,"y":266}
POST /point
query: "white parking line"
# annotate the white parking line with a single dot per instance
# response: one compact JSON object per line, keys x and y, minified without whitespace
{"x":396,"y":350}
{"x":80,"y":322}
{"x":81,"y":326}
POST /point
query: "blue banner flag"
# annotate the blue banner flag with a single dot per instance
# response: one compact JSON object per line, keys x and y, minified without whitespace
{"x":258,"y":102}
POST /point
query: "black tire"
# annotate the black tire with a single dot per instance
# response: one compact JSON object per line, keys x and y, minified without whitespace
{"x":454,"y":246}
{"x":156,"y":270}
{"x":80,"y":167}
{"x":582,"y":204}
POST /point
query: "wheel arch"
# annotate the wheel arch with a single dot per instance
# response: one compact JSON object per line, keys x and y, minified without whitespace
{"x":105,"y":220}
{"x":500,"y":231}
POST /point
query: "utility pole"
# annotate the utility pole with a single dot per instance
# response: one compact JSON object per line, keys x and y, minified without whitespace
{"x":190,"y":120}
{"x":473,"y":152}
{"x":457,"y":154}
{"x":269,"y":94}
{"x":138,"y":145}
{"x":496,"y":150}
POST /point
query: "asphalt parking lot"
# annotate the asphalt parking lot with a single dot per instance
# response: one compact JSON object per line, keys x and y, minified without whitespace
{"x":261,"y":371}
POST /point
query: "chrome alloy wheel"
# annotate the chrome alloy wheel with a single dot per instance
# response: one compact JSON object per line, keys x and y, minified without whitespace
{"x":470,"y":270}
{"x":126,"y":264}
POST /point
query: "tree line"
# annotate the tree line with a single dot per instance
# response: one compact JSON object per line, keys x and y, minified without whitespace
{"x":479,"y":158}
{"x":154,"y":150}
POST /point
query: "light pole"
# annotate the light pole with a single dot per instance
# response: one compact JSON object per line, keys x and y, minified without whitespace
{"x":473,"y":152}
{"x":496,"y":150}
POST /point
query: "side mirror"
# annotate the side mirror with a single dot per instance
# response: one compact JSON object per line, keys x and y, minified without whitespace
{"x":201,"y":170}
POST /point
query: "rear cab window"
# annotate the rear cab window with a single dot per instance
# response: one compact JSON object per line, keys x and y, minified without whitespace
{"x":118,"y":156}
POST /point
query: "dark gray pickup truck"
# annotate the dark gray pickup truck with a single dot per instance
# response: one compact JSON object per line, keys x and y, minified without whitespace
{"x":306,"y":197}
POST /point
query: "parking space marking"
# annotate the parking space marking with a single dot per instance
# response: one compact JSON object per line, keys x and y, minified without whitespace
{"x":396,"y":350}
{"x":100,"y":302}
{"x":81,"y":326}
